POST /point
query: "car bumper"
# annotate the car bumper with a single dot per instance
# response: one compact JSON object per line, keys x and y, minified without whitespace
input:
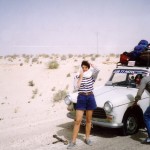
{"x":101,"y":123}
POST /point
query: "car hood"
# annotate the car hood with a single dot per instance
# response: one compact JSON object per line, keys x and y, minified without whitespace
{"x":115,"y":94}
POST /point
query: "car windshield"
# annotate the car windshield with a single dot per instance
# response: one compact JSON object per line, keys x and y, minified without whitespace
{"x":126,"y":77}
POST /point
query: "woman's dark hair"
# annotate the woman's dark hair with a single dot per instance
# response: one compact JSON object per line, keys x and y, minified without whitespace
{"x":85,"y":63}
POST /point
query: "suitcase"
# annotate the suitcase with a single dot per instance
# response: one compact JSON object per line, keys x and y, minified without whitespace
{"x":144,"y":58}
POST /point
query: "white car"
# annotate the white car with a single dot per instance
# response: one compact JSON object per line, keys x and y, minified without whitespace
{"x":115,"y":101}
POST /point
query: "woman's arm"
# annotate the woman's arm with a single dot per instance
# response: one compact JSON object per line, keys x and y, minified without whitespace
{"x":95,"y":71}
{"x":80,"y":79}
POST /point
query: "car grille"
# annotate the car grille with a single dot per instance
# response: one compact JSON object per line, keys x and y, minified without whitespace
{"x":98,"y":112}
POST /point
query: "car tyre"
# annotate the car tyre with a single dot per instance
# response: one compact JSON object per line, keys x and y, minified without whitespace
{"x":131,"y":125}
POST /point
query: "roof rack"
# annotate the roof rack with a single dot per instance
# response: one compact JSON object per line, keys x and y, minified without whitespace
{"x":130,"y":64}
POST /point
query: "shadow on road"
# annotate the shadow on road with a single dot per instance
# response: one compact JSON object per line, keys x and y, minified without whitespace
{"x":95,"y":131}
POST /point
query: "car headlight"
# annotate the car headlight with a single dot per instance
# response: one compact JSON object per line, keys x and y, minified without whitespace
{"x":67,"y":100}
{"x":108,"y":106}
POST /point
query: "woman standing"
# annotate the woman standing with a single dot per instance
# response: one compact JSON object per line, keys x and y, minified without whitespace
{"x":85,"y":100}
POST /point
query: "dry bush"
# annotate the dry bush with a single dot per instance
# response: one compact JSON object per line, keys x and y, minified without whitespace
{"x":97,"y":55}
{"x":33,"y":96}
{"x":84,"y":56}
{"x":68,"y":75}
{"x":25,"y":56}
{"x":67,"y":86}
{"x":99,"y":79}
{"x":70,"y":55}
{"x":35,"y":91}
{"x":1,"y":119}
{"x":31,"y":83}
{"x":51,"y":57}
{"x":76,"y":68}
{"x":117,"y":55}
{"x":12,"y":56}
{"x":1,"y":57}
{"x":54,"y":88}
{"x":16,"y":109}
{"x":53,"y":65}
{"x":107,"y":59}
{"x":26,"y":60}
{"x":93,"y":58}
{"x":60,"y":95}
{"x":10,"y":59}
{"x":90,"y":55}
{"x":35,"y":60}
{"x":63,"y":57}
{"x":112,"y":55}
{"x":21,"y":64}
{"x":44,"y":55}
{"x":75,"y":60}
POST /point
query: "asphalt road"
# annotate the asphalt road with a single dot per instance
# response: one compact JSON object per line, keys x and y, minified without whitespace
{"x":104,"y":139}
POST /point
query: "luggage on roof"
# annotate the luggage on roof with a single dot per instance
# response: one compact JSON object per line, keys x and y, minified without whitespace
{"x":140,"y":54}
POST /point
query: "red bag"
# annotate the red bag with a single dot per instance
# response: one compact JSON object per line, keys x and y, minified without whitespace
{"x":124,"y":58}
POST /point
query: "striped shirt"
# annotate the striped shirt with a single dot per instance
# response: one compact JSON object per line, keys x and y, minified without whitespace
{"x":87,"y":82}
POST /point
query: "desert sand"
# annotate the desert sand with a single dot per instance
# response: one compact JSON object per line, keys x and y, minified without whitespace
{"x":29,"y":115}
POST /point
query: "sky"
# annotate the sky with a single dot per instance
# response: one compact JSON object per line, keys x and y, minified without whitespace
{"x":72,"y":26}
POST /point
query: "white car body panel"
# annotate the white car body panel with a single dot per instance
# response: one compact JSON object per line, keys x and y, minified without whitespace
{"x":121,"y":97}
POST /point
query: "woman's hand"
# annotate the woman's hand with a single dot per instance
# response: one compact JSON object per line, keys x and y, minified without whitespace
{"x":81,"y":74}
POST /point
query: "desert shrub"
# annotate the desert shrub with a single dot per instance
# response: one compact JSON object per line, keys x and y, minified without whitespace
{"x":75,"y":60}
{"x":108,"y":59}
{"x":23,"y":55}
{"x":76,"y":68}
{"x":35,"y":91}
{"x":93,"y":58}
{"x":53,"y":89}
{"x":33,"y":96}
{"x":44,"y":55}
{"x":70,"y":55}
{"x":67,"y":86}
{"x":10,"y":59}
{"x":63,"y":57}
{"x":68,"y":75}
{"x":117,"y":55}
{"x":16,"y":109}
{"x":31,"y":83}
{"x":60,"y":95}
{"x":99,"y":79}
{"x":27,"y":60}
{"x":51,"y":57}
{"x":34,"y":60}
{"x":53,"y":65}
{"x":1,"y":57}
{"x":84,"y":56}
{"x":21,"y":64}
{"x":112,"y":55}
{"x":12,"y":56}
{"x":1,"y":119}
{"x":97,"y":55}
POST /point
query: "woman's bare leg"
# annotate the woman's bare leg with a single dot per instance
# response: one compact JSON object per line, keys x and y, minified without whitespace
{"x":79,"y":115}
{"x":88,"y":122}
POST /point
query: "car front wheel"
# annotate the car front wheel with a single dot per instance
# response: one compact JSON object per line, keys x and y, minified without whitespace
{"x":131,"y":125}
